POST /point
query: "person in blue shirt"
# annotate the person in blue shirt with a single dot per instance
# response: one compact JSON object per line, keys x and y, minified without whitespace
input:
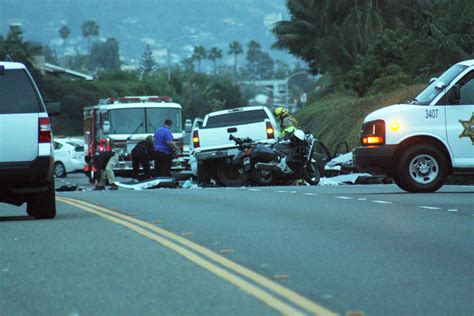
{"x":164,"y":149}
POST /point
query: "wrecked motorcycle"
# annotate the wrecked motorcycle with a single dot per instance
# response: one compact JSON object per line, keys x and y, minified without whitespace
{"x":280,"y":163}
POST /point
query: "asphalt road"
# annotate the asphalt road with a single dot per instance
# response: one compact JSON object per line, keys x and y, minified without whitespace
{"x":371,"y":249}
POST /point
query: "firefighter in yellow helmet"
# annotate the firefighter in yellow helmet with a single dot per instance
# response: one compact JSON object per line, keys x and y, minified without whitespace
{"x":286,"y":121}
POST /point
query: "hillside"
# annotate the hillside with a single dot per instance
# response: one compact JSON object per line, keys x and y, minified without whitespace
{"x":338,"y":117}
{"x":134,"y":24}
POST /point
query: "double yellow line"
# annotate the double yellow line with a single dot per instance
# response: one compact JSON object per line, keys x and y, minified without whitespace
{"x":243,"y":278}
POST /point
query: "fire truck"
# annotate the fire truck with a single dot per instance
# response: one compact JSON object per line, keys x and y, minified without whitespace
{"x":120,"y":123}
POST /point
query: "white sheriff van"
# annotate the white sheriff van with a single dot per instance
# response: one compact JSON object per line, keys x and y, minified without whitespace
{"x":420,"y":143}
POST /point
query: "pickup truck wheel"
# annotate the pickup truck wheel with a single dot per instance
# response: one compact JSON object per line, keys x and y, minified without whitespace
{"x":42,"y":205}
{"x":422,"y":168}
{"x":311,"y":173}
{"x":261,"y":177}
{"x":203,"y":174}
{"x":230,"y":175}
{"x":59,"y":170}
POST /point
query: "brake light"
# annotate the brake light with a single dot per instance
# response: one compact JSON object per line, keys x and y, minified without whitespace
{"x":44,"y":130}
{"x":270,"y":131}
{"x":196,"y":139}
{"x":105,"y":145}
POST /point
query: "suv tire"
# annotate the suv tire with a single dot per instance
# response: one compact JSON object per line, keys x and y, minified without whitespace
{"x":42,"y":205}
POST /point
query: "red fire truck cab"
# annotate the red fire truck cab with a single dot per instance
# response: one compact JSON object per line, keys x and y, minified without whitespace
{"x":120,"y":123}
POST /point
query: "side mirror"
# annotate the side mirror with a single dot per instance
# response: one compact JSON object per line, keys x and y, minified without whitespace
{"x":106,"y":127}
{"x":53,"y":107}
{"x":188,"y":126}
{"x":2,"y":70}
{"x":454,"y":94}
{"x":433,"y":80}
{"x":440,"y":85}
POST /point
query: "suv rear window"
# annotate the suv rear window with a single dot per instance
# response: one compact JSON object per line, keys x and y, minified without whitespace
{"x":17,"y":94}
{"x":236,"y":118}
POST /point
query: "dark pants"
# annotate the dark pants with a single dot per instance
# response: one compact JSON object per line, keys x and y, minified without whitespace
{"x":162,"y":164}
{"x":140,"y":158}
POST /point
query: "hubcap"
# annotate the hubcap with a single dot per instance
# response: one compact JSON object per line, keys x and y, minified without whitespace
{"x":424,"y":169}
{"x":59,"y":169}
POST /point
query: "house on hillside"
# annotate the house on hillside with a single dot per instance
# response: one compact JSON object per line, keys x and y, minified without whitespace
{"x":40,"y":64}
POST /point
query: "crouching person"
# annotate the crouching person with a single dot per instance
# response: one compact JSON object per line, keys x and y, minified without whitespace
{"x":105,"y":162}
{"x":142,"y":153}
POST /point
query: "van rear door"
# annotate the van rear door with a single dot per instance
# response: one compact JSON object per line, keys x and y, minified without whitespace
{"x":19,"y":114}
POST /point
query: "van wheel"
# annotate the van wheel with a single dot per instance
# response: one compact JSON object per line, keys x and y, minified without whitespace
{"x":42,"y":205}
{"x":422,"y":168}
{"x":59,"y":170}
{"x":230,"y":175}
{"x":261,"y":177}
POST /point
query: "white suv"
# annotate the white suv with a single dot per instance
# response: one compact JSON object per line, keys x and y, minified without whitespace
{"x":26,"y":154}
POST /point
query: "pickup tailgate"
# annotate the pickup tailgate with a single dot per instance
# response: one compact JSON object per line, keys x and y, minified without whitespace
{"x":218,"y":137}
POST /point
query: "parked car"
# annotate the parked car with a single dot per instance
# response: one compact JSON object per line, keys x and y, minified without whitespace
{"x":26,"y":154}
{"x":68,"y":156}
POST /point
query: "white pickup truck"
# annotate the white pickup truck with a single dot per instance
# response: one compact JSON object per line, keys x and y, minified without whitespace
{"x":213,"y":151}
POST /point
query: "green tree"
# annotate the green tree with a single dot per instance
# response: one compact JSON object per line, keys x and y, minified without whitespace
{"x":147,"y":63}
{"x":199,"y":54}
{"x":235,"y":49}
{"x":259,"y":63}
{"x":215,"y":54}
{"x":64,"y":32}
{"x":90,"y":28}
{"x":105,"y":55}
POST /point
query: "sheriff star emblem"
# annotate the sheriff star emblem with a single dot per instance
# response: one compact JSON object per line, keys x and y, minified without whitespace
{"x":468,"y":128}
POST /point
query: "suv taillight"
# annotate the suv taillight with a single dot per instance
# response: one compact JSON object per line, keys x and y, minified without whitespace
{"x":44,"y":130}
{"x":196,"y":139}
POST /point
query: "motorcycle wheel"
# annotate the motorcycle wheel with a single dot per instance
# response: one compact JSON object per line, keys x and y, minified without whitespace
{"x":230,"y":176}
{"x":261,"y":177}
{"x":311,"y":174}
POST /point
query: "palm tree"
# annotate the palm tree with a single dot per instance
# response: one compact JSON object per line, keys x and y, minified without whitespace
{"x":214,"y":54}
{"x":199,"y":54}
{"x":90,"y":28}
{"x":64,"y":32}
{"x":235,"y":48}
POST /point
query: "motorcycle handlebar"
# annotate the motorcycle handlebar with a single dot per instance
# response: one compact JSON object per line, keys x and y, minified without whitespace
{"x":241,"y":142}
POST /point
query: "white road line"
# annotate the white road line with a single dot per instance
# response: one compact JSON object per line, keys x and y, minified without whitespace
{"x":309,"y":194}
{"x":362,"y":199}
{"x":343,"y":197}
{"x":281,"y":191}
{"x":430,"y":207}
{"x":382,"y":202}
{"x":292,"y":191}
{"x":255,"y":190}
{"x":452,"y":210}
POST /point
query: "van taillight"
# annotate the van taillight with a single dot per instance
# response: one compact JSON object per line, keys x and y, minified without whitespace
{"x":44,"y":130}
{"x":270,"y":131}
{"x":196,"y":139}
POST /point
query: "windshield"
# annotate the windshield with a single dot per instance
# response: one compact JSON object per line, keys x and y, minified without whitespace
{"x":127,"y":121}
{"x":427,"y":95}
{"x":157,"y":116}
